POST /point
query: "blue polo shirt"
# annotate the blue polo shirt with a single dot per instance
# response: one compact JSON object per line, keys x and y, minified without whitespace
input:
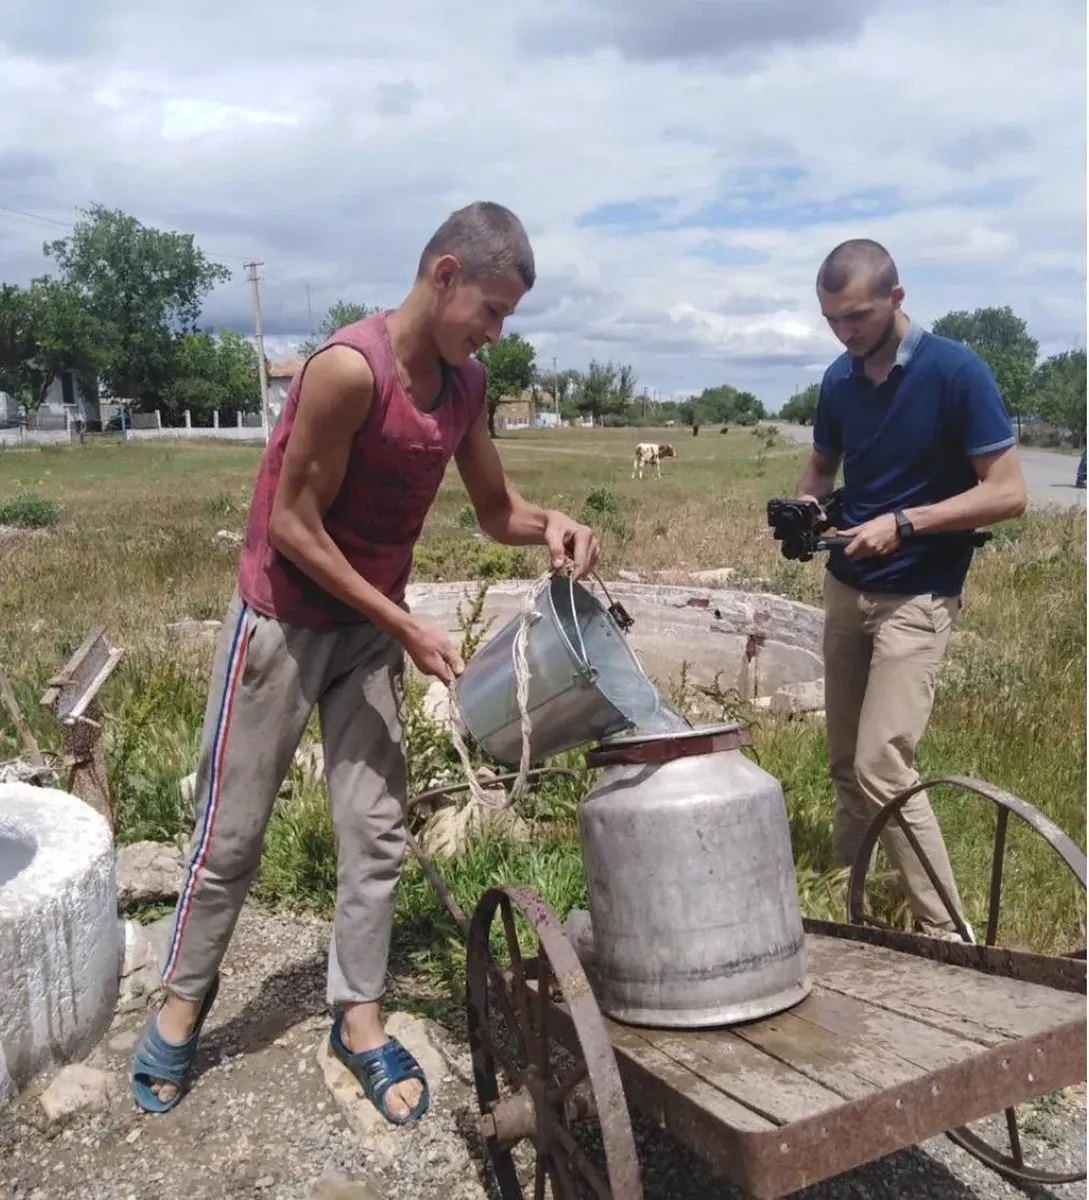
{"x":908,"y":442}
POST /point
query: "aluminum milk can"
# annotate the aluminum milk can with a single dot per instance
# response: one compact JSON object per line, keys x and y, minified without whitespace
{"x":694,"y":913}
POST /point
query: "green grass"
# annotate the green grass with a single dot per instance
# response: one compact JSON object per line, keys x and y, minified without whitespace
{"x":132,"y":548}
{"x":29,"y":511}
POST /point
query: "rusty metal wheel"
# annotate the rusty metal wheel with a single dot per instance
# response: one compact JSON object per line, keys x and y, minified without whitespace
{"x":1010,"y":1165}
{"x":542,"y":1059}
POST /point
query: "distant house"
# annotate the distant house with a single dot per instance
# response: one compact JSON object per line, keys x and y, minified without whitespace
{"x":64,"y":396}
{"x":280,"y":375}
{"x":514,"y":412}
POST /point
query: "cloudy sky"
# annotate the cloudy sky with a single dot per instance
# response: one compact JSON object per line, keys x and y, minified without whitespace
{"x":681,"y":166}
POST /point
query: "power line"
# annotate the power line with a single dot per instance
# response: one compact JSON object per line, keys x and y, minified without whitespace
{"x":6,"y":210}
{"x":251,"y":275}
{"x":18,"y":212}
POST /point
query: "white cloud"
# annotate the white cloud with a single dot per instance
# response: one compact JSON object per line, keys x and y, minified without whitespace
{"x":331,"y":145}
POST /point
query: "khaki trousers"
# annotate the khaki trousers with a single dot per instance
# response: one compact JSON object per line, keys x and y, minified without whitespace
{"x":882,"y":654}
{"x":267,"y":679}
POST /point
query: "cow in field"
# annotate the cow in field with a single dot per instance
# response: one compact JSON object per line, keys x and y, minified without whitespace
{"x":650,"y":454}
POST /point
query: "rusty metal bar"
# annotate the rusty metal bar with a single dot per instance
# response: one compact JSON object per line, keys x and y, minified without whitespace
{"x":998,"y":862}
{"x":435,"y":879}
{"x":1063,"y":846}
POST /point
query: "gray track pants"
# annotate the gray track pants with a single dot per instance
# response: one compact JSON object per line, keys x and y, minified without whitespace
{"x":266,"y":679}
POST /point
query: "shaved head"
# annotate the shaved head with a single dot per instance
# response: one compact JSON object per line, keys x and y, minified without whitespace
{"x":859,"y":261}
{"x":487,"y":239}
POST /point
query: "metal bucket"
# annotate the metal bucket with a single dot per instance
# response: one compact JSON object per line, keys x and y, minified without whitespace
{"x":584,"y":681}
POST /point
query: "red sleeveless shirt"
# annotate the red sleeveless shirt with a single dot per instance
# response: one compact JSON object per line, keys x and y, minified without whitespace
{"x":397,"y":462}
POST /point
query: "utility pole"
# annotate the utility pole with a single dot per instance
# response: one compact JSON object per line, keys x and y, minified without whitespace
{"x":310,"y":310}
{"x":555,"y":389}
{"x":251,"y":275}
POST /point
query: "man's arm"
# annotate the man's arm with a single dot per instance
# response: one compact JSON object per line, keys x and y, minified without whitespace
{"x":987,"y":437}
{"x":336,"y":396}
{"x":819,"y":476}
{"x":1000,"y":494}
{"x":509,"y":517}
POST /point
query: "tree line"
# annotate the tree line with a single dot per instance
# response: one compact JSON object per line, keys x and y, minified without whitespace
{"x":1051,"y":392}
{"x":122,"y":311}
{"x":607,"y":392}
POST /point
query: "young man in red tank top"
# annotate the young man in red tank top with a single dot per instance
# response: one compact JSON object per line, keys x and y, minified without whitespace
{"x":318,"y":618}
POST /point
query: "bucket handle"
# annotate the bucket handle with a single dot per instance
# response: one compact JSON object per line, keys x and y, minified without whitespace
{"x":583,"y":657}
{"x":616,"y":610}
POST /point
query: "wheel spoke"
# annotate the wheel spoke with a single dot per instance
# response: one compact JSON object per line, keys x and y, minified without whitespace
{"x":563,"y":1186}
{"x":516,"y":1026}
{"x":998,"y":861}
{"x":517,"y":969}
{"x":568,"y":1084}
{"x":1015,"y":1138}
{"x":586,"y":1168}
{"x":544,"y":988}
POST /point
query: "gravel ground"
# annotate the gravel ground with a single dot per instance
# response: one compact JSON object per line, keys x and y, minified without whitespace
{"x":261,"y":1122}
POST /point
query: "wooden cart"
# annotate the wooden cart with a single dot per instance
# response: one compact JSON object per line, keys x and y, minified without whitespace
{"x":902,"y":1038}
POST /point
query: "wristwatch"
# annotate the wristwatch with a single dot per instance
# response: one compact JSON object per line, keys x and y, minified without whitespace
{"x":903,"y":526}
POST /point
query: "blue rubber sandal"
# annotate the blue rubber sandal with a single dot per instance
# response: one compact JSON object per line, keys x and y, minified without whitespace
{"x":156,"y":1060}
{"x":378,"y":1070}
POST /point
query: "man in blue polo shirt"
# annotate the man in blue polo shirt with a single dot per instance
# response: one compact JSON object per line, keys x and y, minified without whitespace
{"x":926,"y":446}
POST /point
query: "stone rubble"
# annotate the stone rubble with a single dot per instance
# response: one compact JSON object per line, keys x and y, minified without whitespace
{"x":189,"y":628}
{"x":148,"y":872}
{"x":75,"y":1089}
{"x":145,"y":949}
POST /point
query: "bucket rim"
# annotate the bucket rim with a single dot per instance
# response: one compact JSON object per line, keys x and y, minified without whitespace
{"x":636,"y":739}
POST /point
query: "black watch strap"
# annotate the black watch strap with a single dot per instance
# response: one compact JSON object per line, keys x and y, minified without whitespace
{"x":903,"y":526}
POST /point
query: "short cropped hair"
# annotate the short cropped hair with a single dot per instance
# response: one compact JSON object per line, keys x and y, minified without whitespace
{"x":487,"y":239}
{"x":859,"y":257}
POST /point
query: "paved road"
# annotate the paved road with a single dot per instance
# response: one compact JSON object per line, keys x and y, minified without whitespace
{"x":1050,"y":476}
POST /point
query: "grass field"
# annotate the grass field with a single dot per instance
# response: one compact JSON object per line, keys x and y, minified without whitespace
{"x":134,"y":549}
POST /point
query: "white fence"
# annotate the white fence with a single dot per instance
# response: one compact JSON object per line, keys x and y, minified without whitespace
{"x":247,"y":428}
{"x":19,"y":435}
{"x":143,"y":427}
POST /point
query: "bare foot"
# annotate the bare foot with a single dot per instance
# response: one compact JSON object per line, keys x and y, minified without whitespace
{"x":361,"y":1031}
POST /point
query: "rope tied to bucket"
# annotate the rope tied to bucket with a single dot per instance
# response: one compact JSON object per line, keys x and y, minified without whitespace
{"x":528,"y":614}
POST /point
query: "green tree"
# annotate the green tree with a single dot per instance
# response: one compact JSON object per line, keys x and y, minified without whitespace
{"x":511,"y":365}
{"x":343,"y":312}
{"x":45,"y":331}
{"x":1059,"y":392}
{"x":17,"y":343}
{"x":723,"y":405}
{"x":212,"y":375}
{"x":144,"y":287}
{"x":1002,"y":340}
{"x":801,"y":408}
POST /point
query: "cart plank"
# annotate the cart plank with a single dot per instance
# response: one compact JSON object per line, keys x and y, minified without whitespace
{"x":888,"y":1050}
{"x":853,"y":1048}
{"x":987,"y":1009}
{"x":775,"y":1090}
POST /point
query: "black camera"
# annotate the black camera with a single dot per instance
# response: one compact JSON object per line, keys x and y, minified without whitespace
{"x":800,"y":525}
